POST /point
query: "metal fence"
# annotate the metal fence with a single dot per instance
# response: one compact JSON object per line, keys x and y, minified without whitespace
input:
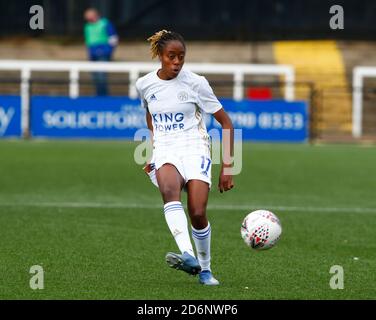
{"x":134,"y":70}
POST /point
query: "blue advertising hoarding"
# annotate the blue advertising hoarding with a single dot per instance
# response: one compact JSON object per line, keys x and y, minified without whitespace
{"x":272,"y":120}
{"x":86,"y":117}
{"x":10,"y":116}
{"x":121,"y":117}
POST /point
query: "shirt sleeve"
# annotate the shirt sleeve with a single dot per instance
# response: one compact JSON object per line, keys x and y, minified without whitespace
{"x":144,"y":103}
{"x":208,"y":101}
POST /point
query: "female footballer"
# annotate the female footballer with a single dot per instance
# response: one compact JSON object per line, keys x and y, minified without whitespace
{"x":176,"y":100}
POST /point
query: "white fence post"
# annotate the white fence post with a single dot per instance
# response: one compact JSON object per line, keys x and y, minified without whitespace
{"x":357,"y":113}
{"x":238,"y":92}
{"x":290,"y":84}
{"x":357,"y":104}
{"x":74,"y":77}
{"x":25,"y":102}
{"x":133,"y":76}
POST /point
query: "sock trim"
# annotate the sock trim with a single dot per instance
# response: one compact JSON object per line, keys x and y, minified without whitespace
{"x":172,"y":206}
{"x":201,"y":234}
{"x":171,"y":203}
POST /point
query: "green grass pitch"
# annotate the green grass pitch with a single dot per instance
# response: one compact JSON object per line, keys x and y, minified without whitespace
{"x":86,"y":213}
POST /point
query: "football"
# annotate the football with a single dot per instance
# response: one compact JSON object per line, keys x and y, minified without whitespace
{"x":261,"y":229}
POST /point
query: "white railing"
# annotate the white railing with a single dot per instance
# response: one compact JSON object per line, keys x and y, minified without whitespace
{"x":359,"y":73}
{"x":135,"y":69}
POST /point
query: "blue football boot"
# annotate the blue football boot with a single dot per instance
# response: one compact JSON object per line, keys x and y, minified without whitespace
{"x":184,"y":262}
{"x":206,"y":278}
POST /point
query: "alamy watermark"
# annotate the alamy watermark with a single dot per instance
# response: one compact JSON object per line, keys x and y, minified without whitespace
{"x":144,"y":150}
{"x":37,"y":280}
{"x":337,"y":280}
{"x":337,"y":21}
{"x":37,"y":20}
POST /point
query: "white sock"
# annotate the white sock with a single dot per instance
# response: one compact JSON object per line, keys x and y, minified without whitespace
{"x":178,"y":224}
{"x":202,"y":241}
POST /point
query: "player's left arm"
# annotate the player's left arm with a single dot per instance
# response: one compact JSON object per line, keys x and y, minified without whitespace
{"x":225,"y":178}
{"x":147,"y":168}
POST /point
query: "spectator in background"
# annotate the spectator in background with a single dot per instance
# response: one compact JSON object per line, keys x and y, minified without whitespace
{"x":101,"y":40}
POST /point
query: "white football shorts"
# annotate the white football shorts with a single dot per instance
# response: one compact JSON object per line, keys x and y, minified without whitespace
{"x":191,"y":166}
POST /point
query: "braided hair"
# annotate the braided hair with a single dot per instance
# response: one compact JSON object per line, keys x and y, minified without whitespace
{"x":159,"y":40}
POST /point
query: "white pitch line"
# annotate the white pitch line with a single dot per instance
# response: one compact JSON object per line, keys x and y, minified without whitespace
{"x":236,"y":207}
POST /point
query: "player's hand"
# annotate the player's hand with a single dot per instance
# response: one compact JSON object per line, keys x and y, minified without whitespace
{"x":225,"y":179}
{"x":149,"y":167}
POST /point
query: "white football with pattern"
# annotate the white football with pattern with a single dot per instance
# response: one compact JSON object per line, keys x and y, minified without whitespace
{"x":261,"y":229}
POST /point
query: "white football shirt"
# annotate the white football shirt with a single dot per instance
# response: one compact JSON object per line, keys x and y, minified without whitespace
{"x":177,"y":108}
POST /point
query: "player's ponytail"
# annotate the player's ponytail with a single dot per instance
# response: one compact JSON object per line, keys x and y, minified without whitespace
{"x":159,"y":39}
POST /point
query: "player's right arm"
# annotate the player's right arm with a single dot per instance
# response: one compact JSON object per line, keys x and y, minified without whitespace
{"x":149,"y":124}
{"x":148,"y":168}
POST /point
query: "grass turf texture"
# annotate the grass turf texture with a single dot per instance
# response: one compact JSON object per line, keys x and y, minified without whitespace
{"x":90,"y":217}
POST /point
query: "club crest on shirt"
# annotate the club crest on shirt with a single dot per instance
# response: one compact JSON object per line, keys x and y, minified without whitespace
{"x":183,"y":96}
